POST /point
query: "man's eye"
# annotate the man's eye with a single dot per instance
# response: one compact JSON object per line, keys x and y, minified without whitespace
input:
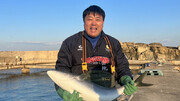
{"x":98,"y":19}
{"x":89,"y":19}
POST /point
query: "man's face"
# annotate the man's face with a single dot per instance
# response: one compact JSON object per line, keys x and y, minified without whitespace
{"x":93,"y":24}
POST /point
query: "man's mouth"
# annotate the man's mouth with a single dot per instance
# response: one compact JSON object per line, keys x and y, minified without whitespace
{"x":93,"y":29}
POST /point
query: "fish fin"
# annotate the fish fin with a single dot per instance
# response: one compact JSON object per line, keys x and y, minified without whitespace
{"x":144,"y":84}
{"x":138,"y":81}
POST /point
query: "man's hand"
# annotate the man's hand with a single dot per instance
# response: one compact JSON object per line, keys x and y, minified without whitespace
{"x":129,"y":85}
{"x":68,"y":96}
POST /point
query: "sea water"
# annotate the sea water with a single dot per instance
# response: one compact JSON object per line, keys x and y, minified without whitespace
{"x":36,"y":86}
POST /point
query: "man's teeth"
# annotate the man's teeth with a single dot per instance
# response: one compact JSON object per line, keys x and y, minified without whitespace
{"x":93,"y":28}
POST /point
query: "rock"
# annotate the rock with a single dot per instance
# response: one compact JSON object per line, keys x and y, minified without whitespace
{"x":141,"y":44}
{"x":175,"y":62}
{"x":156,"y":44}
{"x":25,"y":71}
{"x":177,"y":68}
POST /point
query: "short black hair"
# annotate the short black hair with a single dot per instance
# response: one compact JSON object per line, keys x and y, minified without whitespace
{"x":94,"y":9}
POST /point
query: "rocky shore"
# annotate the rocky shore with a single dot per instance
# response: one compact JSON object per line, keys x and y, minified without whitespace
{"x":153,"y":51}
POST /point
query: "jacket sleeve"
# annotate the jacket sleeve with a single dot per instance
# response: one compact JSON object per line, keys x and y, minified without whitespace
{"x":64,"y":59}
{"x":121,"y":63}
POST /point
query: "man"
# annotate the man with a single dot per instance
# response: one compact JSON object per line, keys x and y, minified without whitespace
{"x":95,"y":55}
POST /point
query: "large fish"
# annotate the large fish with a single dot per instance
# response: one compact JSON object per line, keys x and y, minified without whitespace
{"x":87,"y":90}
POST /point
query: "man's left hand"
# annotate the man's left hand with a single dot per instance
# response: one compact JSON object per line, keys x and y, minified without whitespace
{"x":129,"y":85}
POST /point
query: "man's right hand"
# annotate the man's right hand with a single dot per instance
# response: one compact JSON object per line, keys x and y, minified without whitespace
{"x":68,"y":96}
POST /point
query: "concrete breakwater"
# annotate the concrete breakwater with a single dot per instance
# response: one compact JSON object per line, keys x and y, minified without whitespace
{"x":133,"y":51}
{"x":17,"y":58}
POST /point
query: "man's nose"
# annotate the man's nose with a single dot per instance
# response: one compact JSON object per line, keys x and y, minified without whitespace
{"x":94,"y":22}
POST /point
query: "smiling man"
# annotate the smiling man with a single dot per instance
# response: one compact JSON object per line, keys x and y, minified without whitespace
{"x":95,"y":56}
{"x":93,"y":24}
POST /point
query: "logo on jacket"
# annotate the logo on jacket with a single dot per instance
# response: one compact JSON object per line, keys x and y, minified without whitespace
{"x":96,"y":59}
{"x":107,"y":48}
{"x":79,"y":48}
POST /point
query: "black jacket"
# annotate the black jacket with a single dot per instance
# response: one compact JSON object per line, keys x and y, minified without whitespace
{"x":70,"y":56}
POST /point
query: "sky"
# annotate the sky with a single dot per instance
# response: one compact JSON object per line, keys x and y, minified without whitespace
{"x":31,"y":25}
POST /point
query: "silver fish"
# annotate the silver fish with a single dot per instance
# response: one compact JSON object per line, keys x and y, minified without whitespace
{"x":87,"y":90}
